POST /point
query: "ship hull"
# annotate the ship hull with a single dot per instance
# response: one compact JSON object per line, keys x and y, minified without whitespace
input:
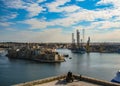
{"x":78,"y":50}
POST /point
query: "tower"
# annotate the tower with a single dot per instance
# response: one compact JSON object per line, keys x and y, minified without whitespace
{"x":78,"y":38}
{"x":83,"y":35}
{"x":72,"y":37}
{"x":73,"y":41}
{"x":88,"y":45}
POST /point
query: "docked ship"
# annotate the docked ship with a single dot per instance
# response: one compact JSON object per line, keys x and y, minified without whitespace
{"x":3,"y":52}
{"x":77,"y":47}
{"x":116,"y":78}
{"x":35,"y":54}
{"x":79,"y":50}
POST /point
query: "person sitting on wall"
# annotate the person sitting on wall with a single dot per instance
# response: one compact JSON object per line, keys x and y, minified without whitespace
{"x":69,"y":77}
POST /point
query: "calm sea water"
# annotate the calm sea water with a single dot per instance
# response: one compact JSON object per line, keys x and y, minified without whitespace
{"x":102,"y":66}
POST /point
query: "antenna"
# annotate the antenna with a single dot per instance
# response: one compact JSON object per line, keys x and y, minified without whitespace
{"x":78,"y":37}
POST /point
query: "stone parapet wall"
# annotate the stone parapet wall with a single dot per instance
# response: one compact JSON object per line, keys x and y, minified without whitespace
{"x":96,"y":81}
{"x":41,"y":81}
{"x":77,"y":77}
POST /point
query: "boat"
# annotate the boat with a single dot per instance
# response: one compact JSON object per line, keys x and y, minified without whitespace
{"x":116,"y":78}
{"x":3,"y":52}
{"x":66,"y":55}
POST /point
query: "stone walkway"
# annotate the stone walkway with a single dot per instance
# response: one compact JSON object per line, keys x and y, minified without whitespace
{"x":63,"y":83}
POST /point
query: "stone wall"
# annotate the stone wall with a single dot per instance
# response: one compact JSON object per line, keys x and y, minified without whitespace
{"x":77,"y":77}
{"x":96,"y":81}
{"x":41,"y":81}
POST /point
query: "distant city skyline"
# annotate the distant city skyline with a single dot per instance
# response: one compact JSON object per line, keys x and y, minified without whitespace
{"x":56,"y":20}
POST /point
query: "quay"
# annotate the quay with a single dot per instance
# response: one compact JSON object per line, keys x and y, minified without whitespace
{"x":79,"y":80}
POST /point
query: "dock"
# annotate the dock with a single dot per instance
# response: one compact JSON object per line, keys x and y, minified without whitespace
{"x":79,"y":80}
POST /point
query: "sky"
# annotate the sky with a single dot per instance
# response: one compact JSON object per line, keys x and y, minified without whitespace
{"x":56,"y":20}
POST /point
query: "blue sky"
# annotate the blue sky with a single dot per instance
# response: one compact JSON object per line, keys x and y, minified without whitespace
{"x":55,"y":20}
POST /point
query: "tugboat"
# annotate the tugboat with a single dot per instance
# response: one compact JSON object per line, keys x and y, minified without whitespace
{"x":116,"y":78}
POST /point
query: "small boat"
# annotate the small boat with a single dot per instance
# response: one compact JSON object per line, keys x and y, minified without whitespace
{"x":116,"y":78}
{"x":66,"y":55}
{"x":3,"y":53}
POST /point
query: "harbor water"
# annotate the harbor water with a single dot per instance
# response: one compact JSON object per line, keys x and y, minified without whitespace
{"x":97,"y":65}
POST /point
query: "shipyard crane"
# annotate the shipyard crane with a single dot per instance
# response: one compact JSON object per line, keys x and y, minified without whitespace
{"x":88,"y":45}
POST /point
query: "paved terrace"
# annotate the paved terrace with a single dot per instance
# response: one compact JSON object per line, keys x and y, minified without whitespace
{"x":60,"y":81}
{"x":63,"y":83}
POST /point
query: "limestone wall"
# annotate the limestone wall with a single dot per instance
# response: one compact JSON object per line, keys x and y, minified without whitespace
{"x":96,"y":81}
{"x":41,"y":81}
{"x":78,"y":77}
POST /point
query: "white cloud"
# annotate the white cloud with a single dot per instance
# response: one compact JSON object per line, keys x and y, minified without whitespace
{"x":108,"y":24}
{"x":71,"y":8}
{"x":55,"y":6}
{"x":13,"y":15}
{"x":35,"y":23}
{"x":113,"y":11}
{"x":54,"y":35}
{"x":113,"y":36}
{"x":8,"y":16}
{"x":51,"y":35}
{"x":80,"y":0}
{"x":71,"y":18}
{"x":82,"y":15}
{"x":88,"y":15}
{"x":6,"y":24}
{"x":104,"y":25}
{"x":115,"y":3}
{"x":100,"y":25}
{"x":17,"y":4}
{"x":33,"y":8}
{"x":73,"y":14}
{"x":10,"y":29}
{"x":39,"y":1}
